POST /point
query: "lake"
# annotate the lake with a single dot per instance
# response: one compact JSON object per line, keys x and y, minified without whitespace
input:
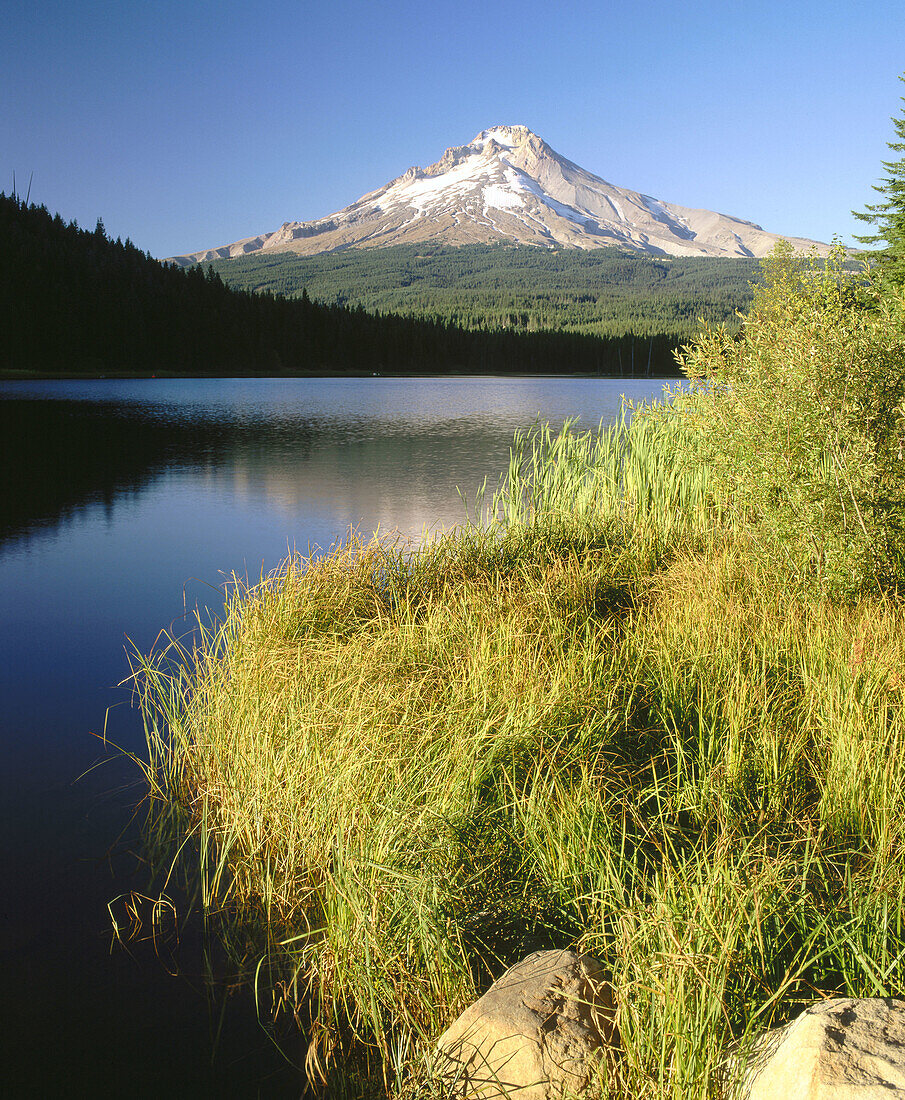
{"x":123,"y":506}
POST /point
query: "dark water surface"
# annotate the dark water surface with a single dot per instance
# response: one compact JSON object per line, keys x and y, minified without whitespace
{"x":122,"y":504}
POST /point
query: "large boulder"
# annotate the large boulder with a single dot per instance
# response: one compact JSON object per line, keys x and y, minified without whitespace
{"x":841,"y":1049}
{"x":544,"y":1030}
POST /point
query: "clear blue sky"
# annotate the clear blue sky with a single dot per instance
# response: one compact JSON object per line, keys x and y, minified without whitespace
{"x":191,"y":124}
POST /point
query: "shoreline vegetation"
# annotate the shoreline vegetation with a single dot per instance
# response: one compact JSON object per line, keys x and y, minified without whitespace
{"x":103,"y":307}
{"x":646,"y":703}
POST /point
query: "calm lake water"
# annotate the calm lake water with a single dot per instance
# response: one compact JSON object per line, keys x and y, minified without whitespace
{"x":122,"y":505}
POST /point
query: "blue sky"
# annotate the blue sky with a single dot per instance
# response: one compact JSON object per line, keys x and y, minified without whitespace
{"x":192,"y":124}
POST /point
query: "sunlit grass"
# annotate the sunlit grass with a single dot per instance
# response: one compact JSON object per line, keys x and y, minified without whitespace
{"x":590,"y":720}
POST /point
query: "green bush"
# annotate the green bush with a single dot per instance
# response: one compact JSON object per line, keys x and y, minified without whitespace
{"x":800,"y":421}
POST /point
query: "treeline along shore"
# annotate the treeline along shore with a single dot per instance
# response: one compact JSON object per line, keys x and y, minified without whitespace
{"x":74,"y":301}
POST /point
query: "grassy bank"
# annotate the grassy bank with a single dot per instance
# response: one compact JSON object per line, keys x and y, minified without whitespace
{"x":647,"y":705}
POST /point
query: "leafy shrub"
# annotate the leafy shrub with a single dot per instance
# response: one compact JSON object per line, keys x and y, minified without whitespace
{"x":801,"y":422}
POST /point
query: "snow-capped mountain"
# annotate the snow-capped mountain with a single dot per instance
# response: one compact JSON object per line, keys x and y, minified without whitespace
{"x":508,"y":185}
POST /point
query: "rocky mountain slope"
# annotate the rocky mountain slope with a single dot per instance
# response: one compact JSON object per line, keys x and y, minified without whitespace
{"x":508,"y":185}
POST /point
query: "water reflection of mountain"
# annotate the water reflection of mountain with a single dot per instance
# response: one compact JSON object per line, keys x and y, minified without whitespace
{"x":59,"y":456}
{"x":344,"y":451}
{"x":400,"y":477}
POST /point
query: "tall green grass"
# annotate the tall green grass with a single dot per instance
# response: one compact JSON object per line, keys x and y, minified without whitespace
{"x":624,"y":474}
{"x":592,"y":719}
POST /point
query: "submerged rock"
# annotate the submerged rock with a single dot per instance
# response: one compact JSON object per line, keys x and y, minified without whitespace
{"x":545,"y":1029}
{"x":841,"y":1049}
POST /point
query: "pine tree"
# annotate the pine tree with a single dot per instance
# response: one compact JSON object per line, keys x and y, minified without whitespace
{"x":889,"y":216}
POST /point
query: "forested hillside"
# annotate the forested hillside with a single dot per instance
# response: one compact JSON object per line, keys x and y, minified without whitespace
{"x":605,"y":292}
{"x":74,"y":301}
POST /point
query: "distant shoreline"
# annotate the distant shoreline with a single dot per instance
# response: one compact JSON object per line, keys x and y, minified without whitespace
{"x":9,"y":375}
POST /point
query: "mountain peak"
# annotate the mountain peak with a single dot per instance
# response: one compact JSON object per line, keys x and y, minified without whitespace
{"x":508,"y":185}
{"x":508,"y":136}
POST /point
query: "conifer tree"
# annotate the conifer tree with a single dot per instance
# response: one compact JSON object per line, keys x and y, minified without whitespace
{"x":889,"y":216}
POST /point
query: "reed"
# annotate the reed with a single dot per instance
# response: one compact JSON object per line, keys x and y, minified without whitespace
{"x":625,"y":474}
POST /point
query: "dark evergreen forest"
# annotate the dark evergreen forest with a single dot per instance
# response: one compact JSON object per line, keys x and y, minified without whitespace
{"x":74,"y":301}
{"x":601,"y":292}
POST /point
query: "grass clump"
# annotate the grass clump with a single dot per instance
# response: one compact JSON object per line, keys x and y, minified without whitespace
{"x":649,"y":706}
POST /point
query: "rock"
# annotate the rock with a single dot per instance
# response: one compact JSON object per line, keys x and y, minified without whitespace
{"x":545,"y":1029}
{"x":841,"y":1049}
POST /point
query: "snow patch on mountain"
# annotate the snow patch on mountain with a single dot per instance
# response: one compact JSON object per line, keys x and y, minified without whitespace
{"x":526,"y":183}
{"x":502,"y":198}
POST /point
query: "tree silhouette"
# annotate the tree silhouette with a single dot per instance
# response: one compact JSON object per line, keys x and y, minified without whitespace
{"x":889,"y":216}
